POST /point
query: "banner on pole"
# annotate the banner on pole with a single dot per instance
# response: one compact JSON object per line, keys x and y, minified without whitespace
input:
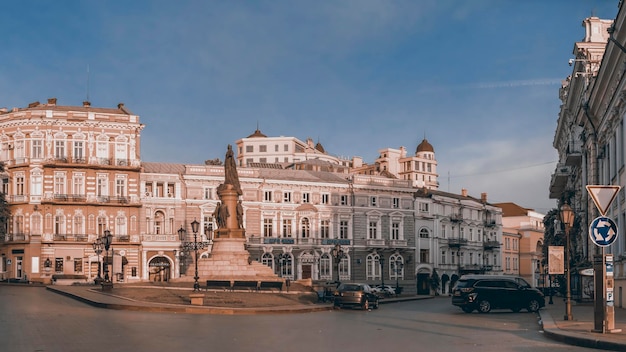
{"x":556,"y":262}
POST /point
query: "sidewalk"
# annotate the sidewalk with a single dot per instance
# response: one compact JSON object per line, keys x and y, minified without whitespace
{"x":579,"y":331}
{"x":93,"y":296}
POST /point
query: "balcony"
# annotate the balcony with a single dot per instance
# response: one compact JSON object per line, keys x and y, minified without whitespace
{"x":456,"y":217}
{"x":457,"y":242}
{"x":490,"y":245}
{"x":573,"y":154}
{"x":70,"y":238}
{"x":397,"y":243}
{"x":490,"y":223}
{"x":559,"y":180}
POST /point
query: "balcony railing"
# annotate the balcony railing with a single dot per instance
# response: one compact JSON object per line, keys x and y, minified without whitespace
{"x":488,"y":245}
{"x":299,"y":241}
{"x":457,"y":242}
{"x":70,"y":238}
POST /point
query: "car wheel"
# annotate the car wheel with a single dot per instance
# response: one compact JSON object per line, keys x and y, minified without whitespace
{"x":533,"y":305}
{"x":516,"y":309}
{"x":484,"y":306}
{"x":366,"y":304}
{"x":467,"y":309}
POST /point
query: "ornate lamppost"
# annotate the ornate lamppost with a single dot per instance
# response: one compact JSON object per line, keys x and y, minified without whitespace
{"x":399,"y":266}
{"x":567,"y":218}
{"x":107,"y":239}
{"x":195,"y":245}
{"x":97,"y":247}
{"x":381,"y":260}
{"x":337,"y":253}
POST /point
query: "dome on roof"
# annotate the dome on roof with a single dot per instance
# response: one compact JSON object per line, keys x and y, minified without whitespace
{"x":257,"y":134}
{"x":320,"y":148}
{"x":424,"y":147}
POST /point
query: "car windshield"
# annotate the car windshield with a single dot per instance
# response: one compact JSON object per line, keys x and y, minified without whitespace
{"x":350,"y":287}
{"x":522,"y":283}
{"x":463,"y":284}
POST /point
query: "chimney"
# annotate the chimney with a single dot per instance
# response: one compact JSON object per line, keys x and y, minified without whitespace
{"x":86,"y":104}
{"x":464,"y":192}
{"x":34,"y":104}
{"x":52,"y":101}
{"x":483,"y":197}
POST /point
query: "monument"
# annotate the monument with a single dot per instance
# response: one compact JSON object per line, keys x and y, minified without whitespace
{"x":229,"y":258}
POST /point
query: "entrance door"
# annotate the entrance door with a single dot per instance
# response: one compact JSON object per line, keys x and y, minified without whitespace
{"x":18,"y":267}
{"x":423,"y":287}
{"x":306,"y":271}
{"x":159,"y":269}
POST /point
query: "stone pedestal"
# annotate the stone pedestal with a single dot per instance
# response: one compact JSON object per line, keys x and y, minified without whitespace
{"x":229,"y":197}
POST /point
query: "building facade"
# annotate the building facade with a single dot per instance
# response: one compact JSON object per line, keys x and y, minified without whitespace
{"x":73,"y":173}
{"x":590,"y":135}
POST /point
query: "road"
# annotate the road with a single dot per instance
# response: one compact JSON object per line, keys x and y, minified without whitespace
{"x":34,"y":319}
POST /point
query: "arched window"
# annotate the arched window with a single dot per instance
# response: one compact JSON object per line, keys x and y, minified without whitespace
{"x":159,"y":222}
{"x":396,"y":266}
{"x":59,"y":225}
{"x":424,"y":233}
{"x":306,"y":228}
{"x":268,"y":260}
{"x":372,"y":266}
{"x":19,"y":225}
{"x":102,"y":225}
{"x":325,"y":268}
{"x":120,"y":226}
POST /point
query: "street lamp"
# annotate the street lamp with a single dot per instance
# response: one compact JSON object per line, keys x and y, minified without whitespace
{"x":195,"y":245}
{"x":107,"y":239}
{"x":97,"y":247}
{"x":567,"y":218}
{"x":398,"y":267}
{"x":338,"y":254}
{"x":381,"y":260}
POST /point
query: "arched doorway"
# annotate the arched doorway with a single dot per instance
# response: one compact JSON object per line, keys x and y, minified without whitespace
{"x":423,"y":281}
{"x":159,"y":269}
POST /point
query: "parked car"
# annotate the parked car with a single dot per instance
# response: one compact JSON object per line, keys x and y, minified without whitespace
{"x":487,"y":292}
{"x":384,"y":291}
{"x":355,"y":295}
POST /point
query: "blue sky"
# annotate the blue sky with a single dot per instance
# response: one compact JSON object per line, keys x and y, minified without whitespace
{"x":478,"y":78}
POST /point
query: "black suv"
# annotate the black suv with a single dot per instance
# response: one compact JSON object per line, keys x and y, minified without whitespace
{"x":486,"y":292}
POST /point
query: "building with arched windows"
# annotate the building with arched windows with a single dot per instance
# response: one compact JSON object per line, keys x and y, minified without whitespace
{"x":73,"y":173}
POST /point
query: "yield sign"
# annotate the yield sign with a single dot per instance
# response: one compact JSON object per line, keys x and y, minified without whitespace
{"x":603,"y":196}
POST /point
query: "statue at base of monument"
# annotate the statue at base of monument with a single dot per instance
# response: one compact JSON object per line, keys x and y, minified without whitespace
{"x":221,"y":214}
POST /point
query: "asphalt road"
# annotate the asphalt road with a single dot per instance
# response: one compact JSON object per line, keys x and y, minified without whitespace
{"x":33,"y":319}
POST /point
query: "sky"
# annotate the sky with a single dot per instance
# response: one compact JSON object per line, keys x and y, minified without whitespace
{"x":479,"y":79}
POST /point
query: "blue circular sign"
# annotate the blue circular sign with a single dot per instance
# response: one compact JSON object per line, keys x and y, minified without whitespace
{"x":603,"y":231}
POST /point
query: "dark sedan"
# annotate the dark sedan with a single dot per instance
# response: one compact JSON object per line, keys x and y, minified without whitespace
{"x":355,"y":295}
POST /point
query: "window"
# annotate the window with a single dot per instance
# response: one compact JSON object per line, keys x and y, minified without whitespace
{"x":372,"y":267}
{"x":443,"y":231}
{"x":395,"y":231}
{"x":36,"y":149}
{"x":267,"y":196}
{"x":249,"y":149}
{"x":344,"y":272}
{"x":373,"y":201}
{"x":325,"y":229}
{"x":59,"y":225}
{"x":396,"y":267}
{"x":120,"y":186}
{"x":424,"y":233}
{"x":59,"y":183}
{"x":343,"y":200}
{"x":372,"y":230}
{"x":395,"y":202}
{"x":325,"y":197}
{"x":78,"y":184}
{"x":306,"y":198}
{"x":267,"y":259}
{"x":276,"y":147}
{"x":120,"y":226}
{"x":306,"y":228}
{"x":263,"y":148}
{"x":36,"y":184}
{"x":79,"y":225}
{"x":443,"y":257}
{"x":101,"y":188}
{"x":19,"y":185}
{"x":268,"y":227}
{"x":59,"y":149}
{"x":58,"y":265}
{"x":287,"y":197}
{"x":423,"y":207}
{"x":325,"y":267}
{"x":287,"y":227}
{"x":78,"y":265}
{"x":343,"y":229}
{"x":286,"y":147}
{"x":79,"y":153}
{"x":424,"y":256}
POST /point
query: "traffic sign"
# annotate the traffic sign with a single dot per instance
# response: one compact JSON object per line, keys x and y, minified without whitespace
{"x":603,"y":231}
{"x":603,"y":196}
